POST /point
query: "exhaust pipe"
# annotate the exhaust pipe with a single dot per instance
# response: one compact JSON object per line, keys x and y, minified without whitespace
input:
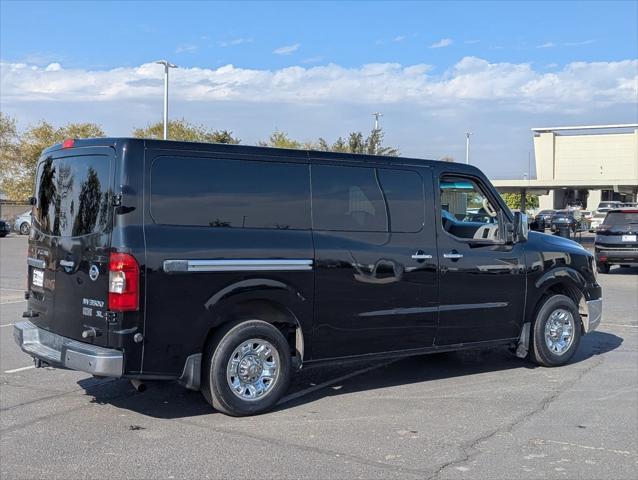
{"x":138,"y":385}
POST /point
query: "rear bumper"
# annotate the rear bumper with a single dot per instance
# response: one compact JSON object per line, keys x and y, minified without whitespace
{"x":616,"y":255}
{"x":62,"y":352}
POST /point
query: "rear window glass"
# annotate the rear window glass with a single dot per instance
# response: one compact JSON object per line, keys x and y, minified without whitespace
{"x":208,"y":192}
{"x":73,"y":195}
{"x":362,"y":199}
{"x":621,"y":218}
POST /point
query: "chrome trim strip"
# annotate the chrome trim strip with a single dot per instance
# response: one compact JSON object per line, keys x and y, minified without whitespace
{"x":62,"y":352}
{"x":616,"y":249}
{"x":36,"y":262}
{"x":237,"y":265}
{"x":594,"y":315}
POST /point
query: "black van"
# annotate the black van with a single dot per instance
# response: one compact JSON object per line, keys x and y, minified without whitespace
{"x":229,"y":267}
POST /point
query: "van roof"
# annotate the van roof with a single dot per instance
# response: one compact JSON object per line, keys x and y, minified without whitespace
{"x":251,"y":150}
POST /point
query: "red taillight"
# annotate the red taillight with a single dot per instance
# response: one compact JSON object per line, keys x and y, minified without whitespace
{"x":68,"y":143}
{"x":602,"y":228}
{"x":124,"y":283}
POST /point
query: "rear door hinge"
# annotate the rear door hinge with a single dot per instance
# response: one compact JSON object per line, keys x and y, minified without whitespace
{"x":116,"y":201}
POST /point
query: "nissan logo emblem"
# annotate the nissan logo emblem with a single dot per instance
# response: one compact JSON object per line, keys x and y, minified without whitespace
{"x":94,"y":272}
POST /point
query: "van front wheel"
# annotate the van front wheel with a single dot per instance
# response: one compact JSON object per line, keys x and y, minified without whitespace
{"x":246,"y":369}
{"x":556,"y":332}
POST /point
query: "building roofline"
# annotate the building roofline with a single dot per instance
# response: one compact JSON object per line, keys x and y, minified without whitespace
{"x":585,"y":127}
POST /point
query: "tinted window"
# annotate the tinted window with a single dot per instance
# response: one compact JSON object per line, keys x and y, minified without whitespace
{"x":404,"y":193}
{"x":362,"y":199}
{"x":72,"y":195}
{"x":621,"y":218}
{"x":230,"y":193}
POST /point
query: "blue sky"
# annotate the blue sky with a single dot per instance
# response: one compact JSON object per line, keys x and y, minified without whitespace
{"x":110,"y":34}
{"x":435,"y":69}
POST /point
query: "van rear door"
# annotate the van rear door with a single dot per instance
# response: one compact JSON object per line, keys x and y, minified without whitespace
{"x":69,"y":245}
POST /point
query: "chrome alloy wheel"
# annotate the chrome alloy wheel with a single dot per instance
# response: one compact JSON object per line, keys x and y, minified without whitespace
{"x":253,"y":369}
{"x":559,"y":331}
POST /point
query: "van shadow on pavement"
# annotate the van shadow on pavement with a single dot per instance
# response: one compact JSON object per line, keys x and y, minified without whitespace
{"x":169,"y":400}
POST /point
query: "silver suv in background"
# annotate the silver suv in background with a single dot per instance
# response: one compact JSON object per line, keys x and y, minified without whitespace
{"x":22,"y":223}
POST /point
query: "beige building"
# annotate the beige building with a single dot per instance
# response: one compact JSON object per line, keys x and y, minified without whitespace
{"x":582,"y":165}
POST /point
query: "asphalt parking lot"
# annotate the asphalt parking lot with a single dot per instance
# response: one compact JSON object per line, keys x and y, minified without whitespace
{"x":479,"y":414}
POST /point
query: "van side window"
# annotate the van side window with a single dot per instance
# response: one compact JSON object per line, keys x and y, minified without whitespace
{"x":466,"y":211}
{"x":363,"y":199}
{"x":209,"y":192}
{"x":403,"y":190}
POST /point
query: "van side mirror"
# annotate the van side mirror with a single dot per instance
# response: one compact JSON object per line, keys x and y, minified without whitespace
{"x":33,"y":201}
{"x":521,"y":227}
{"x":505,"y":229}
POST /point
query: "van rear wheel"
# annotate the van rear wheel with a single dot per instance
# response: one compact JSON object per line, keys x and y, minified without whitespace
{"x":247,"y":368}
{"x":556,"y":332}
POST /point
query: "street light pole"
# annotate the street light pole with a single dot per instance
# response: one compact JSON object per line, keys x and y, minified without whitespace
{"x":376,"y":116}
{"x":167,"y":65}
{"x":467,"y":147}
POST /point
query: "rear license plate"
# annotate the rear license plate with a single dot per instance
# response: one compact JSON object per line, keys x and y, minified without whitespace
{"x":38,"y":278}
{"x":629,"y":238}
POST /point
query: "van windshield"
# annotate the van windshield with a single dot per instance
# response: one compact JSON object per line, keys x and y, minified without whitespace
{"x":72,"y":195}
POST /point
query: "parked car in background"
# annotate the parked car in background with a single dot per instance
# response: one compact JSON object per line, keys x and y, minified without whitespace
{"x":609,"y":204}
{"x":543,"y":218}
{"x":596,"y":220}
{"x":22,"y":223}
{"x":560,"y":218}
{"x":5,"y":229}
{"x":616,"y":240}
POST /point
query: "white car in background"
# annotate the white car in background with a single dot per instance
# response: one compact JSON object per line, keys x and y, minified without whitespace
{"x":596,"y":220}
{"x":22,"y":223}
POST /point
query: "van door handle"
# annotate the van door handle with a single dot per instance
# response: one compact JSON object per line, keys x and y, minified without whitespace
{"x":420,"y":255}
{"x":453,"y":255}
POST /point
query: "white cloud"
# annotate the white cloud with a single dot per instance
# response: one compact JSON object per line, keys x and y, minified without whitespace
{"x":444,"y":42}
{"x":53,"y":67}
{"x":471,"y":79}
{"x":546,"y":45}
{"x":185,"y":48}
{"x":398,"y":38}
{"x":578,"y":44}
{"x":234,"y":41}
{"x":424,"y":114}
{"x":286,"y":49}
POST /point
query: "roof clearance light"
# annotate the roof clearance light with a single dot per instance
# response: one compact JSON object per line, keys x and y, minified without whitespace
{"x":68,"y":143}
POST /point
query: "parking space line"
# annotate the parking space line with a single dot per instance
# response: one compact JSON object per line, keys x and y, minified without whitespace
{"x":6,"y":325}
{"x":327,"y":383}
{"x":12,"y":302}
{"x":21,"y":369}
{"x":12,"y":289}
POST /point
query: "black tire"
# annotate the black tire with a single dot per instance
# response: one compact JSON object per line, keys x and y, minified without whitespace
{"x":625,"y":266}
{"x":603,"y":267}
{"x":25,"y":228}
{"x":539,"y":351}
{"x":2,"y":235}
{"x":215,"y":386}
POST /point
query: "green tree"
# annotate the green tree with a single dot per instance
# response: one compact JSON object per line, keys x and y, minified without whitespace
{"x":18,"y":169}
{"x":353,"y":143}
{"x":280,"y":139}
{"x":9,"y":143}
{"x":186,"y":132}
{"x":513,"y":200}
